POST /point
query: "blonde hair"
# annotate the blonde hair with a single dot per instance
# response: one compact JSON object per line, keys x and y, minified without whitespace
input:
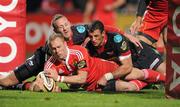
{"x":53,"y":36}
{"x":55,"y":17}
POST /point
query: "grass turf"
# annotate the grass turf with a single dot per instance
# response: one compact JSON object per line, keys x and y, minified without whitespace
{"x":145,"y":98}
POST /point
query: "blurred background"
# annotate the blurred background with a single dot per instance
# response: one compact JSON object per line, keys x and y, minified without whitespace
{"x":120,"y":13}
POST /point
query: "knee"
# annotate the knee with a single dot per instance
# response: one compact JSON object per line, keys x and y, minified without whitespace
{"x":8,"y":80}
{"x":132,"y":87}
{"x":4,"y":82}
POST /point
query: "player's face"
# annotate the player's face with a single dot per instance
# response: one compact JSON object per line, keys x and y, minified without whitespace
{"x":64,"y":26}
{"x":96,"y":37}
{"x":59,"y":48}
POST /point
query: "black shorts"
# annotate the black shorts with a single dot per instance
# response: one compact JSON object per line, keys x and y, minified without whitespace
{"x":146,"y":58}
{"x":32,"y":65}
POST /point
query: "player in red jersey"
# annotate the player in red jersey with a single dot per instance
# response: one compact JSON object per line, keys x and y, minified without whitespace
{"x":154,"y":21}
{"x":153,"y":24}
{"x":69,"y":60}
{"x":103,"y":10}
{"x":153,"y":27}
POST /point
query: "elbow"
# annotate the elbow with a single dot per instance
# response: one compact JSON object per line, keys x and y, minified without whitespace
{"x":128,"y":68}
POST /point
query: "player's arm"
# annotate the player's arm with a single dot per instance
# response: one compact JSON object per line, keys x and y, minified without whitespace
{"x":125,"y":68}
{"x":8,"y":80}
{"x":139,"y":15}
{"x":114,"y":5}
{"x":82,"y":68}
{"x":141,"y":8}
{"x":133,"y":39}
{"x":122,"y":49}
{"x":88,"y":10}
{"x":121,"y":71}
{"x":31,"y":67}
{"x":80,"y":78}
{"x":51,"y":72}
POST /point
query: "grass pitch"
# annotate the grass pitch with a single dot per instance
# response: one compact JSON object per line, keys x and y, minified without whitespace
{"x":145,"y":98}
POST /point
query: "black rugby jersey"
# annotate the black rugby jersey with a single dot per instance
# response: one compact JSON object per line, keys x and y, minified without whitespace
{"x":115,"y":47}
{"x":80,"y":32}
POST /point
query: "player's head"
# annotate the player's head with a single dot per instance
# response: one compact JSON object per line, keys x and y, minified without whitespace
{"x":58,"y":45}
{"x":96,"y":33}
{"x":61,"y":24}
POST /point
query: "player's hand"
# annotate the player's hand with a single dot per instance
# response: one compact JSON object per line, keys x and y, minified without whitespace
{"x":102,"y":81}
{"x":108,"y":8}
{"x":36,"y":85}
{"x":51,"y":73}
{"x":134,"y":40}
{"x":135,"y":25}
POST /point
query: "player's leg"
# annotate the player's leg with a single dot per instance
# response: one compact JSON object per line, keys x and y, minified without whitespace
{"x":133,"y":85}
{"x":31,"y":67}
{"x":162,"y":68}
{"x":147,"y":75}
{"x":9,"y":80}
{"x":147,"y":58}
{"x":120,"y":85}
{"x":160,"y":47}
{"x":135,"y":74}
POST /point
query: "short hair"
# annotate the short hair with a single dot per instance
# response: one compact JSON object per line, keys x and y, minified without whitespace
{"x":55,"y":17}
{"x":96,"y":25}
{"x":53,"y":36}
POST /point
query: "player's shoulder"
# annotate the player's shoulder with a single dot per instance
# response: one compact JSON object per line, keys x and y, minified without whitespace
{"x":77,"y":48}
{"x":80,"y":28}
{"x":80,"y":32}
{"x":77,"y":52}
{"x":119,"y":42}
{"x":116,"y":37}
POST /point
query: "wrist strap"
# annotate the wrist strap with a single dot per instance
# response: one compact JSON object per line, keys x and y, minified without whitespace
{"x":60,"y":79}
{"x":108,"y":76}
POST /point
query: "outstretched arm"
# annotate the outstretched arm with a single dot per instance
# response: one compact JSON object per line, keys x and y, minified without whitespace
{"x":121,"y":71}
{"x":88,"y":11}
{"x":140,"y":12}
{"x":114,"y":5}
{"x":133,"y":39}
{"x":80,"y":78}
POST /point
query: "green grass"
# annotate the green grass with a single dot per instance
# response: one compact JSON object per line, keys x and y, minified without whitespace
{"x":145,"y":98}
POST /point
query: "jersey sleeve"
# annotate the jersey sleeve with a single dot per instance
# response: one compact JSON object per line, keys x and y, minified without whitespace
{"x":82,"y":59}
{"x":121,"y":47}
{"x":50,"y":63}
{"x":80,"y":32}
{"x":53,"y":63}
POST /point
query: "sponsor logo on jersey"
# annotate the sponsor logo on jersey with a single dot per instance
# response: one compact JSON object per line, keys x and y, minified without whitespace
{"x":82,"y":64}
{"x":81,"y":29}
{"x":124,"y":45}
{"x":31,"y":63}
{"x":117,"y":38}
